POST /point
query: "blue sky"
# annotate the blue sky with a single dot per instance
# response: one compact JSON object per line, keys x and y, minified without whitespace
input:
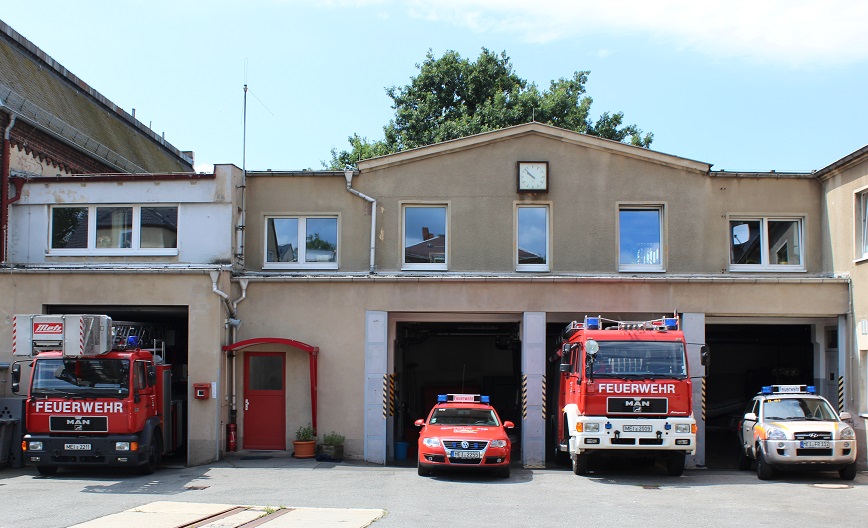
{"x":744,"y":85}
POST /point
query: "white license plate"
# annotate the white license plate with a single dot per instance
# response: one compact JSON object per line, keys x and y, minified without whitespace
{"x":815,"y":444}
{"x":77,"y":447}
{"x":637,"y":428}
{"x":465,"y":454}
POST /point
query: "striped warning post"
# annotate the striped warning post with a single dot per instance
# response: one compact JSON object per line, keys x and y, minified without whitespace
{"x":703,"y":399}
{"x":392,"y":394}
{"x":840,"y":393}
{"x":544,"y":397}
{"x":524,"y":396}
{"x":385,"y":395}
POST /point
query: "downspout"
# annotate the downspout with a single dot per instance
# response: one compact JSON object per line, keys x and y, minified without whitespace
{"x":215,"y":275}
{"x":348,"y":174}
{"x":4,"y":190}
{"x":234,"y":322}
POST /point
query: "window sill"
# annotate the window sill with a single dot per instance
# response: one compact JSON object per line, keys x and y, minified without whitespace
{"x":424,"y":267}
{"x":170,"y":252}
{"x":860,"y":260}
{"x":767,"y":269}
{"x":529,"y":268}
{"x":308,"y":266}
{"x":639,"y":269}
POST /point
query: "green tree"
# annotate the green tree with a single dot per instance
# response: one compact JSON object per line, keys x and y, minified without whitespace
{"x":453,"y":97}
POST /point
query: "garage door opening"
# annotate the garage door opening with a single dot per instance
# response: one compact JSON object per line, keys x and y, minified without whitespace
{"x":164,"y":330}
{"x":444,"y":358}
{"x":744,"y":358}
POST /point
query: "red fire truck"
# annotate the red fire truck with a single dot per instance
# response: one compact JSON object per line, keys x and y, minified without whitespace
{"x":89,"y":402}
{"x":624,"y":389}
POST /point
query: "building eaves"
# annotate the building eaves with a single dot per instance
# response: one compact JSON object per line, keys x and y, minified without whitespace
{"x":305,"y":173}
{"x":842,"y":164}
{"x":774,"y":175}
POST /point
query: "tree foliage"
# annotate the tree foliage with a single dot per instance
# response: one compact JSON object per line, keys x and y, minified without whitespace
{"x":453,"y":97}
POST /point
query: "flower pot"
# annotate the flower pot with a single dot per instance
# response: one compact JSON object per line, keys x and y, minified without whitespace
{"x":304,"y":449}
{"x":332,"y":452}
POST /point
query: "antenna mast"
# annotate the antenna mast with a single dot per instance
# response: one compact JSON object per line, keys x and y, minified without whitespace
{"x":239,"y":253}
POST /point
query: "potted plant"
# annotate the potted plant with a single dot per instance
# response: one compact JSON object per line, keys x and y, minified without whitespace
{"x":305,"y":442}
{"x":332,"y":446}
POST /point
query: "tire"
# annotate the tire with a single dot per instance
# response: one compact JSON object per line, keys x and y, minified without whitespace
{"x":764,"y":471}
{"x":47,"y":471}
{"x":562,"y":458}
{"x":580,"y":464}
{"x":675,"y":465}
{"x":743,"y":460}
{"x":848,"y":472}
{"x":155,"y":454}
{"x":422,"y":470}
{"x":503,"y":472}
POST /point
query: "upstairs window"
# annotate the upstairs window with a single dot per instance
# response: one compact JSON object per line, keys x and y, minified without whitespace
{"x":425,"y":237}
{"x":309,"y":242}
{"x":862,"y":225}
{"x":532,"y":238}
{"x":766,"y":244}
{"x":114,"y":230}
{"x":640,"y":238}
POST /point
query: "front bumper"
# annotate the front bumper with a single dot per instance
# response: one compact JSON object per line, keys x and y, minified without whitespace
{"x":634,"y":434}
{"x":840,"y":452}
{"x":490,"y":457}
{"x":101,"y":451}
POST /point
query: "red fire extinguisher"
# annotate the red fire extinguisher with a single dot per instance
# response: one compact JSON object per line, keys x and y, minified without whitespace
{"x":230,"y":432}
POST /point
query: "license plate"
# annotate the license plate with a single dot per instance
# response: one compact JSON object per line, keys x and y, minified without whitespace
{"x":821,"y":444}
{"x":77,"y":447}
{"x":637,"y":428}
{"x":465,"y":454}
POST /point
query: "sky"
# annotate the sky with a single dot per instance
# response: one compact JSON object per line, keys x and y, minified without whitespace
{"x":743,"y":85}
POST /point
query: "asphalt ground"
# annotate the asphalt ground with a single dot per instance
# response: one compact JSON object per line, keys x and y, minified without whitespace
{"x":282,"y":491}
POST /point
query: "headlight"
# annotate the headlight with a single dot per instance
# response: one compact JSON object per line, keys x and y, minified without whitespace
{"x":592,"y":428}
{"x":498,"y":443}
{"x":683,"y":428}
{"x":848,"y":434}
{"x":431,"y":442}
{"x":34,"y":446}
{"x":776,"y":434}
{"x":122,"y":446}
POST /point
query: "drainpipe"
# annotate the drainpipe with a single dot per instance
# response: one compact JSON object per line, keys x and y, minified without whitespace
{"x":4,"y":190}
{"x":234,"y":322}
{"x":348,"y":174}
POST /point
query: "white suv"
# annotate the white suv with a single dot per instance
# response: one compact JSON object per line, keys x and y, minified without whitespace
{"x":790,"y":425}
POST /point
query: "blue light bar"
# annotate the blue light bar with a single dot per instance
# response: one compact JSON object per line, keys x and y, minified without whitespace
{"x":767,"y":389}
{"x":133,"y":340}
{"x":441,"y":398}
{"x":812,"y":389}
{"x":671,"y":323}
{"x":485,"y":399}
{"x":592,"y":323}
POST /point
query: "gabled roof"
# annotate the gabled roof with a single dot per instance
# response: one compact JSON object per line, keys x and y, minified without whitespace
{"x":530,"y":129}
{"x":37,"y":89}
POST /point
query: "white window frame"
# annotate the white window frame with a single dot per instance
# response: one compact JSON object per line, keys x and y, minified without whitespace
{"x":642,"y":206}
{"x":427,"y":266}
{"x":861,"y":224}
{"x":765,"y":252}
{"x":302,"y":238}
{"x":135,"y":242}
{"x":548,"y":237}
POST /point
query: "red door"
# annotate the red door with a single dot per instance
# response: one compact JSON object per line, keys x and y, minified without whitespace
{"x":264,"y":400}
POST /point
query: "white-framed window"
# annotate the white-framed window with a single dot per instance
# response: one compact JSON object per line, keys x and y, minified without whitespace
{"x":425,"y":236}
{"x":862,"y":225}
{"x":113,"y":230}
{"x":640,"y":237}
{"x":308,"y":242}
{"x":758,"y":243}
{"x":532,"y":237}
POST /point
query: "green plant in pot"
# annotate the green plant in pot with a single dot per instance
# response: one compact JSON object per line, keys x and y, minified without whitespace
{"x":333,"y":446}
{"x":305,"y":442}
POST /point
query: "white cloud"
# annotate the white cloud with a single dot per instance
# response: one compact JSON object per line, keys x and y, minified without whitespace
{"x":795,"y":32}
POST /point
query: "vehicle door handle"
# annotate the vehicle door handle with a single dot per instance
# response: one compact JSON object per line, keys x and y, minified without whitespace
{"x":246,"y":403}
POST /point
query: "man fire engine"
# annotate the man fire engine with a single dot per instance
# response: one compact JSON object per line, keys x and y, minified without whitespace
{"x":624,"y":389}
{"x":90,"y":403}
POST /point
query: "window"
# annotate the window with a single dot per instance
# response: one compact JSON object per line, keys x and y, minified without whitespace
{"x":425,"y":237}
{"x":640,"y":238}
{"x":862,"y":226}
{"x":532,"y":238}
{"x":309,"y":242}
{"x":765,"y":244}
{"x":114,"y":230}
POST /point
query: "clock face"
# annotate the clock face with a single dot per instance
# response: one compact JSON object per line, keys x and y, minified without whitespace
{"x":533,"y":176}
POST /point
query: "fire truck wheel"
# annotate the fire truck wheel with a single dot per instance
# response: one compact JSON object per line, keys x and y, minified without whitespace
{"x":47,"y":471}
{"x":675,"y":465}
{"x":848,"y":472}
{"x":155,"y":455}
{"x":764,"y":471}
{"x":580,"y":464}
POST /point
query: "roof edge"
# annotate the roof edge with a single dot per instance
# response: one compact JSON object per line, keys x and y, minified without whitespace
{"x":842,"y":164}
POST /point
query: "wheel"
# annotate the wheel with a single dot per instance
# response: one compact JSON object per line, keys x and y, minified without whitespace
{"x":743,"y":460}
{"x":503,"y":472}
{"x":675,"y":464}
{"x":848,"y":472}
{"x":580,"y":464}
{"x":422,"y":470}
{"x":47,"y":471}
{"x":155,"y":455}
{"x":764,"y":471}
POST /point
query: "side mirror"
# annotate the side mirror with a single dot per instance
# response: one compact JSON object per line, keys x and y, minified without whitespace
{"x":564,"y":367}
{"x":845,"y":416}
{"x":16,"y":377}
{"x":591,"y":348}
{"x":750,"y":417}
{"x":419,"y":423}
{"x":704,"y":356}
{"x":152,"y":375}
{"x":508,"y":425}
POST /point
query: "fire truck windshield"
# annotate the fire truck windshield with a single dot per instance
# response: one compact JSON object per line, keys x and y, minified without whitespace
{"x":640,"y":359}
{"x":81,"y":377}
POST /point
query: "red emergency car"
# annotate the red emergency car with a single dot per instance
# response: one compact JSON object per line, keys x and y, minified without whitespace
{"x":463,"y":431}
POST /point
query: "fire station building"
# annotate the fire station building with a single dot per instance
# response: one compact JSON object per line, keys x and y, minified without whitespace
{"x":349,"y":300}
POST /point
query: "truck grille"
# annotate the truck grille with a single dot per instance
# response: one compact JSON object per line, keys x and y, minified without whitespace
{"x":637,"y":405}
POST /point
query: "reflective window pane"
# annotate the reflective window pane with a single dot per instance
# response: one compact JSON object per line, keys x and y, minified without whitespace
{"x":321,"y":240}
{"x":784,"y":242}
{"x":640,"y":237}
{"x":159,"y":227}
{"x":532,"y":235}
{"x":114,"y":227}
{"x":424,"y":235}
{"x":282,"y":240}
{"x":69,"y":227}
{"x":746,"y":237}
{"x":265,"y":373}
